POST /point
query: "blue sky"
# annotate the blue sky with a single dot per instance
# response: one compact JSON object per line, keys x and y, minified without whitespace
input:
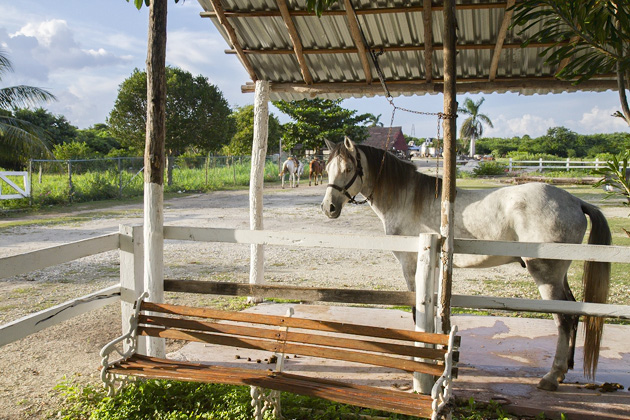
{"x":82,"y":50}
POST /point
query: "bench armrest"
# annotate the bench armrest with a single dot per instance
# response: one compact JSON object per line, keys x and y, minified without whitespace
{"x":129,"y":340}
{"x":443,"y":388}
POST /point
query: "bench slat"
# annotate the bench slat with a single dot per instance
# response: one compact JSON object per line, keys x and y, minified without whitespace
{"x":327,"y":353}
{"x":292,"y":322}
{"x":364,"y":396}
{"x":296,"y":337}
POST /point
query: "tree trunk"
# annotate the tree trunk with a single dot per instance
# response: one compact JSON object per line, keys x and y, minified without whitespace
{"x":154,"y":163}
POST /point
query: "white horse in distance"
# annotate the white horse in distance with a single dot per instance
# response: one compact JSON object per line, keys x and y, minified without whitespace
{"x":294,"y":168}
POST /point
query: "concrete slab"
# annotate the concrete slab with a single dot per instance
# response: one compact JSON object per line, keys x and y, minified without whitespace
{"x":501,"y":358}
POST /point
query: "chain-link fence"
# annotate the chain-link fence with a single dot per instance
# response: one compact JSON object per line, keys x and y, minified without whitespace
{"x":66,"y":181}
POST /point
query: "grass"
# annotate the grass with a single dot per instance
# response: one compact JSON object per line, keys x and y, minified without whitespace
{"x":173,"y":400}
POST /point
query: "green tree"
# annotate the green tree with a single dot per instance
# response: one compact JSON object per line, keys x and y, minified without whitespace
{"x":241,"y":143}
{"x":472,"y":127}
{"x":197,"y":114}
{"x":316,"y":120}
{"x":588,"y":37}
{"x":99,"y":139}
{"x":73,"y":150}
{"x":18,"y":138}
{"x":57,"y":127}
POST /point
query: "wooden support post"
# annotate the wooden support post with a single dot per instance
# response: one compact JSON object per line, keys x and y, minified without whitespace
{"x":154,"y":163}
{"x":257,"y":177}
{"x":131,"y":275}
{"x":448,"y":185}
{"x":70,"y":185}
{"x":425,"y":300}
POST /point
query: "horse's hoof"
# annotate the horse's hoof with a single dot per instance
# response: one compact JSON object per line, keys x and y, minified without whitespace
{"x":547,"y":385}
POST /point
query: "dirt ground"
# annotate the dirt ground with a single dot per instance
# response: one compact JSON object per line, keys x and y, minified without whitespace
{"x":31,"y":367}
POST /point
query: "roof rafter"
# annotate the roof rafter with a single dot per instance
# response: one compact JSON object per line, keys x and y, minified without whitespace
{"x":427,"y":19}
{"x":396,"y":48}
{"x":420,"y":86}
{"x":231,"y":33}
{"x":295,"y":39}
{"x":505,"y":25}
{"x":355,"y":32}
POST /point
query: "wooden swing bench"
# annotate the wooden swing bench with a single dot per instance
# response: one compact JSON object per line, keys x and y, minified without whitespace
{"x":369,"y":345}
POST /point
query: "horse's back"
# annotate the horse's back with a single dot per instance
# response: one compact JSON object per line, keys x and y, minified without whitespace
{"x":533,"y":212}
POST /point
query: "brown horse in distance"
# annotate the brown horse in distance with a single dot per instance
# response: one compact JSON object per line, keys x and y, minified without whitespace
{"x":316,"y":169}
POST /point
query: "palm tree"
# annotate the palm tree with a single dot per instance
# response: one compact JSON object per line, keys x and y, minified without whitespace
{"x":472,"y":128}
{"x":18,"y":134}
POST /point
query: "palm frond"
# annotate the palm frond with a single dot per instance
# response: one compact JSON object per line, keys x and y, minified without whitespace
{"x":25,"y":136}
{"x":23,"y":96}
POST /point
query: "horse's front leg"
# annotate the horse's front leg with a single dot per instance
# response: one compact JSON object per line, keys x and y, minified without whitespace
{"x":550,"y":278}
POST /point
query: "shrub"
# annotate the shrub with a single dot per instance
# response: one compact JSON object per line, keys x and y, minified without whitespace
{"x":490,"y":169}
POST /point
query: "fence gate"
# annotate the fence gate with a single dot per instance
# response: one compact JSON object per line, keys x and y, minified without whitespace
{"x":16,"y":191}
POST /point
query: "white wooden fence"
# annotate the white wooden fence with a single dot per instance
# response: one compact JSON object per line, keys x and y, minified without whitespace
{"x":16,"y":190}
{"x":567,"y":164}
{"x":129,"y":242}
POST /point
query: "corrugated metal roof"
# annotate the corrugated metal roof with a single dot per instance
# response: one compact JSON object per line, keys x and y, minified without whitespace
{"x":263,"y":35}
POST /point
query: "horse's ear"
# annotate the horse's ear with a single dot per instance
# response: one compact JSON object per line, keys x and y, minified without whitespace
{"x":348,"y":143}
{"x":329,"y":144}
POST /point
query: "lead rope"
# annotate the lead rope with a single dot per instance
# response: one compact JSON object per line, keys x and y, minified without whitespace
{"x":440,"y":115}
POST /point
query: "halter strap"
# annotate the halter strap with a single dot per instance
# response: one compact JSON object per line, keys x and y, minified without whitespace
{"x":358,"y":173}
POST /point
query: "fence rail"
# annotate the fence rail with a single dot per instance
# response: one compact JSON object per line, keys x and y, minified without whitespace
{"x":567,"y":164}
{"x":129,"y":243}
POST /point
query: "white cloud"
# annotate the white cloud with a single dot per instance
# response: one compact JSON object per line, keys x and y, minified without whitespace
{"x":52,"y":43}
{"x":601,"y":121}
{"x":529,"y":124}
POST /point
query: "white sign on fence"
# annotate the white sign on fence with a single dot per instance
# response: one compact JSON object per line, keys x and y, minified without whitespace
{"x":22,"y":192}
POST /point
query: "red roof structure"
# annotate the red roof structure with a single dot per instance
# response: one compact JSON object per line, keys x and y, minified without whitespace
{"x":377,"y":137}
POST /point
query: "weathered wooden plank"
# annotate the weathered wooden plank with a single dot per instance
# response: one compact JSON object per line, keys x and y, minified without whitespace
{"x":301,"y":294}
{"x":610,"y":253}
{"x":543,"y":306}
{"x":301,"y":239}
{"x":292,"y":322}
{"x":311,"y":351}
{"x":296,"y":337}
{"x":59,"y":254}
{"x":31,"y":324}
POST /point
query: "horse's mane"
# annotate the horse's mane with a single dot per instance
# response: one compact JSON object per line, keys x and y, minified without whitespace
{"x":396,"y":174}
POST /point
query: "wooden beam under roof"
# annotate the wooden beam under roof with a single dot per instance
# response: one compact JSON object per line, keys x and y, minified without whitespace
{"x":505,"y":25}
{"x":218,"y":9}
{"x":295,"y":39}
{"x":357,"y":37}
{"x":427,"y":19}
{"x":420,"y":86}
{"x":395,"y":48}
{"x":365,"y":11}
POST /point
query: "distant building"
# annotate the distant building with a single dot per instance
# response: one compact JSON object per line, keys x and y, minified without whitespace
{"x":377,"y":137}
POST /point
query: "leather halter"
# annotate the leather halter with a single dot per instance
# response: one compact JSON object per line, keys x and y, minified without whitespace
{"x":358,"y":173}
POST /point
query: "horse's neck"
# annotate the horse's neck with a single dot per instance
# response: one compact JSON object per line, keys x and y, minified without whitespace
{"x":404,"y":213}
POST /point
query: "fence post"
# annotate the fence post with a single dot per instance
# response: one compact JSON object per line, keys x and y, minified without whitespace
{"x":510,"y":165}
{"x":40,"y":175}
{"x":206,"y":166}
{"x":131,"y":275}
{"x":70,"y":186}
{"x":425,"y":299}
{"x":120,"y":178}
{"x":234,"y":169}
{"x":596,"y":163}
{"x":540,"y":166}
{"x":30,"y":180}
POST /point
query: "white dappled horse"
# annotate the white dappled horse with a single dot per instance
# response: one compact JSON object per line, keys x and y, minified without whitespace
{"x":294,"y":168}
{"x":405,"y":201}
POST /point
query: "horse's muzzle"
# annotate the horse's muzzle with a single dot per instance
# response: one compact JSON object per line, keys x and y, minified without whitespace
{"x":331,"y":210}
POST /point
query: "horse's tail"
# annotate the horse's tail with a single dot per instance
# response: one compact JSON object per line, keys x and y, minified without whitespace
{"x":596,"y":281}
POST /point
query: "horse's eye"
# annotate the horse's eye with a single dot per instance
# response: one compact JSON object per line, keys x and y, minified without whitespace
{"x":348,"y":169}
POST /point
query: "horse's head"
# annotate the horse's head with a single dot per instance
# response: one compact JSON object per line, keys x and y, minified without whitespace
{"x":345,"y":177}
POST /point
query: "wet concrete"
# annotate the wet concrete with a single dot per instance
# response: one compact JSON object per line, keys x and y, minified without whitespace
{"x":501,"y":359}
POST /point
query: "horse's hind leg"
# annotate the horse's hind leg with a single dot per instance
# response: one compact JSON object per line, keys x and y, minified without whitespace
{"x":573,"y":323}
{"x":550,"y":276}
